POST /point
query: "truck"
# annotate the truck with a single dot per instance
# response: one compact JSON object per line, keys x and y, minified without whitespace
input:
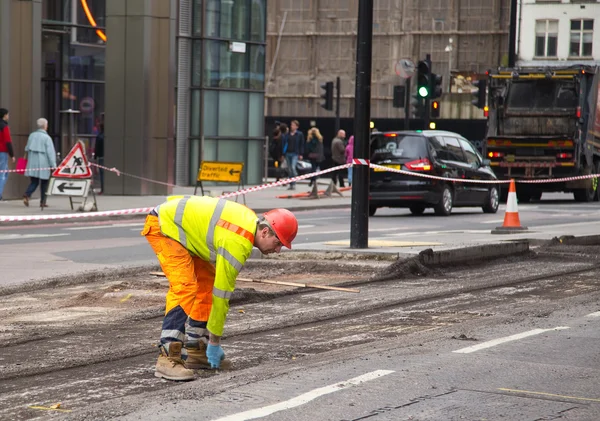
{"x":544,"y":123}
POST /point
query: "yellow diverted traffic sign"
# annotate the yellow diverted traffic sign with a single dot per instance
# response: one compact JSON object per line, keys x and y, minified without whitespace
{"x":228,"y":172}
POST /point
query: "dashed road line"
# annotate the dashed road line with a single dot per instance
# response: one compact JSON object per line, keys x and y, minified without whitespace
{"x":511,"y":338}
{"x":304,"y":398}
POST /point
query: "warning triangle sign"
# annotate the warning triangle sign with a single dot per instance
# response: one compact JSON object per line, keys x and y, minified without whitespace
{"x":75,"y":165}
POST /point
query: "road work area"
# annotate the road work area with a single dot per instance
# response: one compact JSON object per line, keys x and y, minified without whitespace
{"x":84,"y":347}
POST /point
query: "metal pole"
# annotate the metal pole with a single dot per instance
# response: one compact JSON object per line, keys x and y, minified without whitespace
{"x":337,"y":104}
{"x":512,"y":36}
{"x":407,"y":104}
{"x":428,"y":98}
{"x":359,"y":217}
{"x":266,"y":159}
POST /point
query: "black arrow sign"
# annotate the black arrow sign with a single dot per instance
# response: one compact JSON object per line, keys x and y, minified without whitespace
{"x":231,"y":172}
{"x":64,"y":186}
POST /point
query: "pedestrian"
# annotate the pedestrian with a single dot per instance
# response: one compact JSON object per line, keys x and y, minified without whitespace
{"x":99,"y":153}
{"x":314,"y":148}
{"x":41,"y":157}
{"x":293,"y":149}
{"x":349,"y":156}
{"x":338,"y":156}
{"x":275,"y":149}
{"x":202,"y":243}
{"x":6,"y":149}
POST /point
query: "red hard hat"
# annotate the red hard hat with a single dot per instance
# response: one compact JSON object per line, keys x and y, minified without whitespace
{"x":285,"y":225}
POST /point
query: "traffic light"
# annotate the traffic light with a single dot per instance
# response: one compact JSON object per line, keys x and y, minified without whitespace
{"x":435,"y":109}
{"x":423,"y":81}
{"x":417,"y":106}
{"x":399,"y":96}
{"x":436,"y":86}
{"x":479,"y":94}
{"x":327,"y":95}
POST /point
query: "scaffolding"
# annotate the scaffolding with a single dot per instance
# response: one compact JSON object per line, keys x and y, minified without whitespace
{"x":310,"y":42}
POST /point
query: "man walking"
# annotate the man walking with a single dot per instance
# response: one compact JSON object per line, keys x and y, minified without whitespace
{"x":338,"y":156}
{"x":293,"y":148}
{"x":202,"y":243}
{"x":6,"y":149}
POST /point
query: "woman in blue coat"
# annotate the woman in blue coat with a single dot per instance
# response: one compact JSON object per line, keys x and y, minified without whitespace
{"x":41,"y":156}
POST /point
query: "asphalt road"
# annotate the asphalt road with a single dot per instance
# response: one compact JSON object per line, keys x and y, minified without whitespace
{"x":35,"y":252}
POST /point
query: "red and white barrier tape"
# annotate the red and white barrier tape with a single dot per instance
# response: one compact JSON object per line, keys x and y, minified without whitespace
{"x":44,"y":169}
{"x":269,"y":185}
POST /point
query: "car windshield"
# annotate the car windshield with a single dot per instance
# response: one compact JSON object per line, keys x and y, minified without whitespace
{"x":397,"y":146}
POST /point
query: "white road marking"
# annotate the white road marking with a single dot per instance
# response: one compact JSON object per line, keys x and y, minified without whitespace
{"x":98,"y":227}
{"x":28,"y":236}
{"x":495,"y":221}
{"x":304,"y":398}
{"x":596,"y":314}
{"x":306,"y":226}
{"x":499,"y":341}
{"x":348,"y":230}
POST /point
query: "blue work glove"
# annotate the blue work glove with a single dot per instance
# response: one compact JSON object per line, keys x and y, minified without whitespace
{"x":215,"y":355}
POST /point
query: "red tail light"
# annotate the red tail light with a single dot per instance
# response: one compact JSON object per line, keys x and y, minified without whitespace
{"x":390,"y":135}
{"x":564,"y":155}
{"x":486,"y":111}
{"x":495,"y":154}
{"x":578,"y":112}
{"x":419,"y":165}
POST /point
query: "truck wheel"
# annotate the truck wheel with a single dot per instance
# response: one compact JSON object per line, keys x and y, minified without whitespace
{"x":444,"y":206}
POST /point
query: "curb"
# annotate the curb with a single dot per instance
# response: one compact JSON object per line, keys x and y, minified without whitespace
{"x":468,"y":254}
{"x":126,"y":217}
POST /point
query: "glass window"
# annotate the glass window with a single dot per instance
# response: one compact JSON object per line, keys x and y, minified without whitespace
{"x":233,"y":114}
{"x":254,"y":167}
{"x":223,"y":68}
{"x":470,"y":153}
{"x":211,"y":107}
{"x":195,"y":113}
{"x":257,"y":67}
{"x":196,"y":62}
{"x":257,"y":22}
{"x":539,"y":94}
{"x":402,"y":146}
{"x":197,"y":18}
{"x":227,"y":19}
{"x":582,"y":31}
{"x":256,"y":115}
{"x":453,"y":150}
{"x":546,"y":36}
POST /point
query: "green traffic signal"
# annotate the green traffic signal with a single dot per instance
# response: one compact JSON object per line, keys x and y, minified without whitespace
{"x":423,"y":92}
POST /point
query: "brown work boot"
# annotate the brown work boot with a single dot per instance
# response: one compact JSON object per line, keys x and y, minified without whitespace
{"x":196,"y":357}
{"x":171,"y":366}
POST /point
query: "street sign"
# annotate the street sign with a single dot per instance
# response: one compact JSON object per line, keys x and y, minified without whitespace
{"x":229,"y":172}
{"x":405,"y":68}
{"x":75,"y":165}
{"x":68,"y":187}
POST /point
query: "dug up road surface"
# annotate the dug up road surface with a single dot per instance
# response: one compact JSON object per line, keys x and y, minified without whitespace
{"x":88,"y":342}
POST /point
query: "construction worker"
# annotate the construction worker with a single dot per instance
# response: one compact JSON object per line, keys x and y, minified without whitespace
{"x":202,"y":244}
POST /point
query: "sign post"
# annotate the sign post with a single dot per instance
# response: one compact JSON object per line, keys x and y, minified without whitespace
{"x":220,"y":172}
{"x":73,"y":177}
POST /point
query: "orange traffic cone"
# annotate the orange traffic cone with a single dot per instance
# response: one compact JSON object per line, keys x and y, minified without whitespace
{"x":511,"y":224}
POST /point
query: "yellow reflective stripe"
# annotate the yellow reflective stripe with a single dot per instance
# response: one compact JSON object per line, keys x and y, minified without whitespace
{"x":179,"y":220}
{"x":231,"y":259}
{"x":226,"y":295}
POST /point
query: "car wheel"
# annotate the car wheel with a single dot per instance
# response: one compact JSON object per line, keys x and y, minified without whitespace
{"x":444,"y":206}
{"x":417,"y":209}
{"x":492,"y":201}
{"x":372,"y":210}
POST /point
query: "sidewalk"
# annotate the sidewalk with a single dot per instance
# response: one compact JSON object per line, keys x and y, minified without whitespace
{"x":259,"y":201}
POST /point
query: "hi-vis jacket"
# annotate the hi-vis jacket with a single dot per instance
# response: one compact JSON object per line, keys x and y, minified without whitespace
{"x":218,"y":231}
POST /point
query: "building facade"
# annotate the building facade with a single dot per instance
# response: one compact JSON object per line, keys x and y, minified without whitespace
{"x":311,"y":42}
{"x":172,"y":81}
{"x":558,"y":32}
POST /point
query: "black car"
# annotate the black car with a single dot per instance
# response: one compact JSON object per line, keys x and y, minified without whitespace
{"x":432,"y":152}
